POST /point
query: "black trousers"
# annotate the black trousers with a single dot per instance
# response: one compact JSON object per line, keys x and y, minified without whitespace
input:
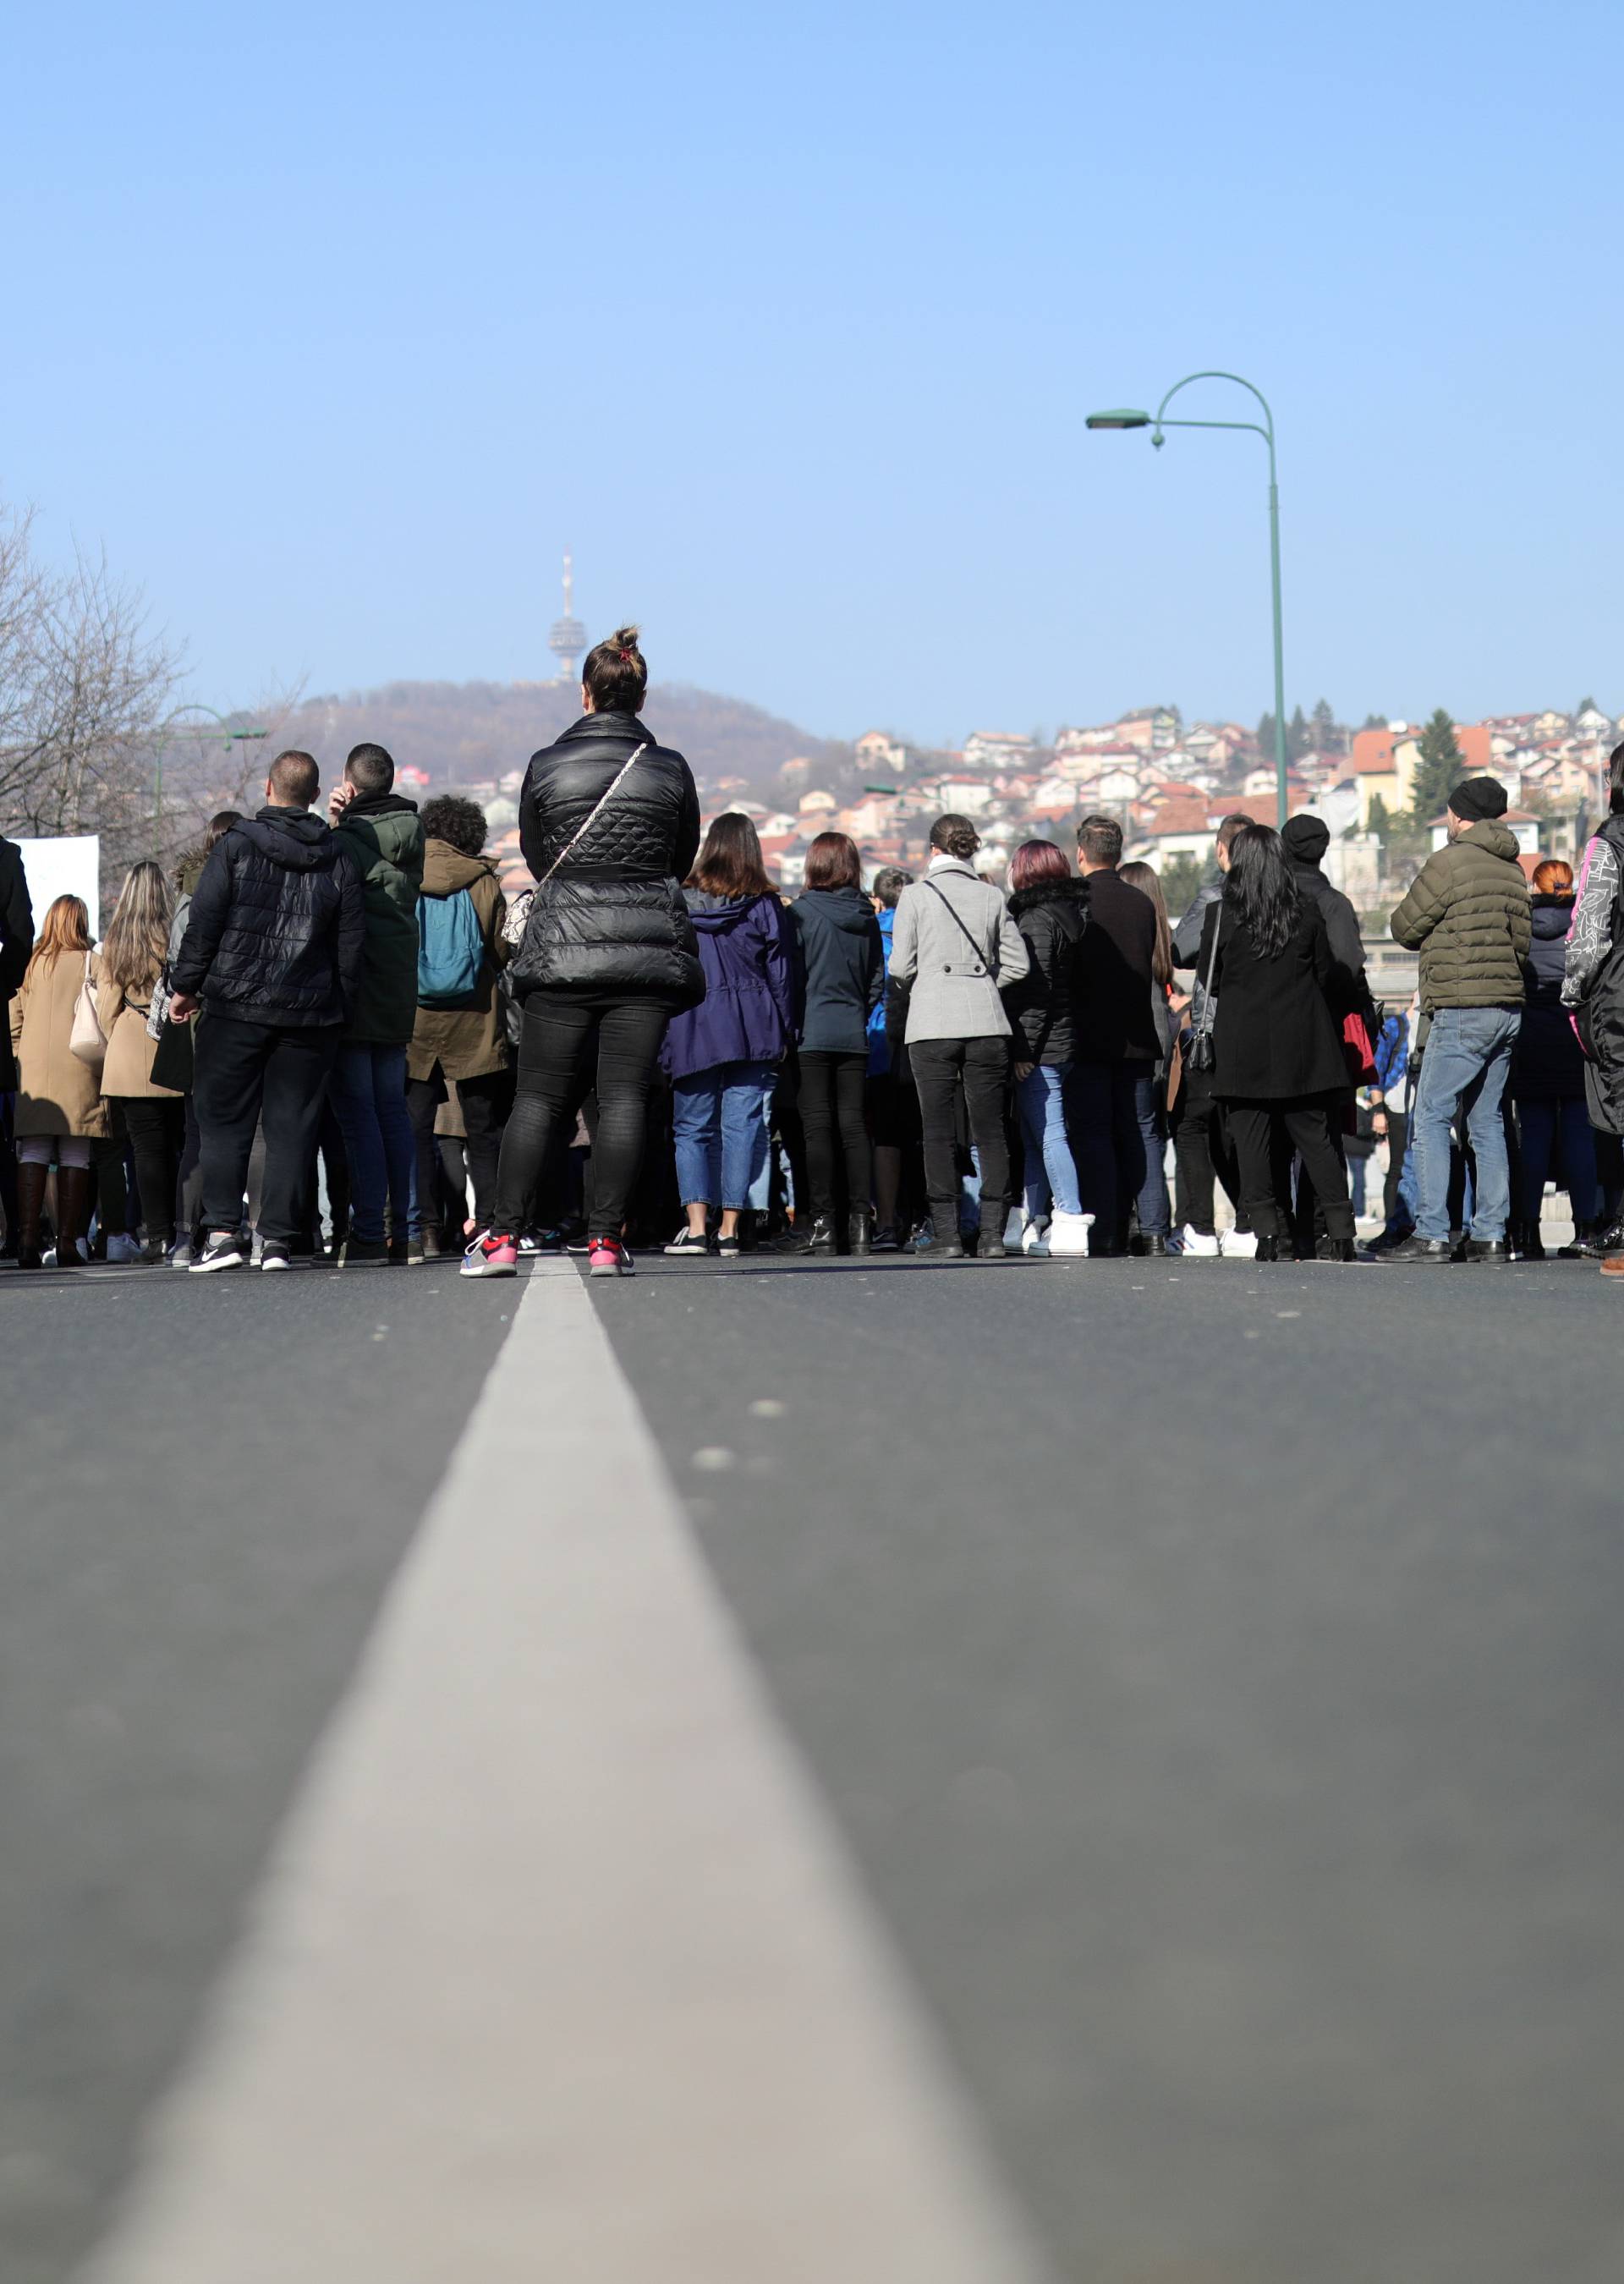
{"x":155,"y":1127}
{"x":250,"y":1071}
{"x":566,"y":1048}
{"x":485,"y":1102}
{"x":985,"y":1065}
{"x":1203,"y":1154}
{"x":834,"y":1122}
{"x":1306,"y":1124}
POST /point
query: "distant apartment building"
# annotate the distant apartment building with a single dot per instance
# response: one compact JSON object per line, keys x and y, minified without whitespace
{"x":880,"y":754}
{"x":995,"y":749}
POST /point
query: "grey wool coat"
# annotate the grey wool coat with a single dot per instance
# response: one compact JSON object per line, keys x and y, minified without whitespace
{"x":955,"y":972}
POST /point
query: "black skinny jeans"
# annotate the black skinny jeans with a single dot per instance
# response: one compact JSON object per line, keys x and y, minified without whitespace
{"x":1203,"y":1154}
{"x":833,"y":1120}
{"x":155,"y":1127}
{"x":565,"y":1043}
{"x":985,"y":1065}
{"x":1306,"y":1121}
{"x":485,"y":1102}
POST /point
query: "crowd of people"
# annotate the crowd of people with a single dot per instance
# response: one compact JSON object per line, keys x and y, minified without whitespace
{"x":656,"y":1044}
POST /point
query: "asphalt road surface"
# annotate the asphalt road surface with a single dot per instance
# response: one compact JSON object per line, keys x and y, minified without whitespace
{"x":1211,"y":1671}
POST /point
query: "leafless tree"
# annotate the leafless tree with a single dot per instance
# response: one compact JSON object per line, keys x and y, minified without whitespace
{"x":88,"y":717}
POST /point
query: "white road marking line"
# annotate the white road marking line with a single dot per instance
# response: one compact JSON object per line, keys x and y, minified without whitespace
{"x":560,"y":1974}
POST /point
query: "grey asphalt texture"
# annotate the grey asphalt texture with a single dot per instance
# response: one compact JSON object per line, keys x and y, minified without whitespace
{"x":1213,"y":1671}
{"x":206,"y":1483}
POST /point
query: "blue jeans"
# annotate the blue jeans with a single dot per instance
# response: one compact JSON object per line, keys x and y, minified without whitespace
{"x":1540,"y":1121}
{"x":1116,"y":1141}
{"x":368,"y":1091}
{"x":719,"y":1122}
{"x":1051,"y":1170}
{"x":1467,"y":1062}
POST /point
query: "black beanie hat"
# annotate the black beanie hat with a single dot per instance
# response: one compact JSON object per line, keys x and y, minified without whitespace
{"x":1476,"y":798}
{"x":1306,"y":838}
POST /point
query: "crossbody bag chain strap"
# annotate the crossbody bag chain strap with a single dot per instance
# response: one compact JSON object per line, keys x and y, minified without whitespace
{"x":597,"y":811}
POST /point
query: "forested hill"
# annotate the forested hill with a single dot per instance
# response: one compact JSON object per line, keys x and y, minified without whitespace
{"x":468,"y":732}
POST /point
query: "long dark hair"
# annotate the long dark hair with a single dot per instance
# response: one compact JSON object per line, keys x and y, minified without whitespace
{"x":729,"y":863}
{"x":1261,"y":891}
{"x":1147,"y":879}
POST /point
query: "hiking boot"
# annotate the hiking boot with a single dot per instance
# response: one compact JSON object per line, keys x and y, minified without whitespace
{"x":1425,"y":1252}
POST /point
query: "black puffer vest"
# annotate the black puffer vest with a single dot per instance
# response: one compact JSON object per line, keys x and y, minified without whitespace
{"x":611,"y":920}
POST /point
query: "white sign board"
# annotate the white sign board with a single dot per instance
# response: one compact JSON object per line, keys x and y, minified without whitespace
{"x":63,"y":868}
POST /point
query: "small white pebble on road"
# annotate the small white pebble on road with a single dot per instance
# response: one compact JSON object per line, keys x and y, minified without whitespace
{"x":767,"y":1407}
{"x":716,"y":1459}
{"x":1254,"y":1336}
{"x":1288,"y":1312}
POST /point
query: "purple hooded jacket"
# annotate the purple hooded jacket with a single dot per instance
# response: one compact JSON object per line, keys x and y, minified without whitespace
{"x":748,"y":1013}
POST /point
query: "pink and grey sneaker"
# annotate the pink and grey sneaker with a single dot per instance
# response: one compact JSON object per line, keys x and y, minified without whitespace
{"x":606,"y":1256}
{"x":491,"y":1255}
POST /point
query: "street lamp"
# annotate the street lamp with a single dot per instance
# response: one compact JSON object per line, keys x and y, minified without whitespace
{"x":1127,"y":417}
{"x":230,"y":736}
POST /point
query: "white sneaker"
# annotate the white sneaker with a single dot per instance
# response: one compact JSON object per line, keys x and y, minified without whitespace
{"x":1238,"y":1245}
{"x":1068,"y":1236}
{"x":1015,"y":1230}
{"x":1034,"y":1238}
{"x":122,"y":1248}
{"x":1204,"y":1248}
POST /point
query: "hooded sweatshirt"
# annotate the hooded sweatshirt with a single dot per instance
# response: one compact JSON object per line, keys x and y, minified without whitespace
{"x":276,"y":932}
{"x":748,"y":1013}
{"x":383,"y":834}
{"x":843,"y":969}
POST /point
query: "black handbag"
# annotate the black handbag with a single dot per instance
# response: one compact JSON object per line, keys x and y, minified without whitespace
{"x":175,"y":1058}
{"x":1202,"y":1054}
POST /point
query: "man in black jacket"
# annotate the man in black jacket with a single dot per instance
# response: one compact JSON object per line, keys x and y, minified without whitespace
{"x":16,"y":945}
{"x":273,"y":951}
{"x":1116,"y":1139}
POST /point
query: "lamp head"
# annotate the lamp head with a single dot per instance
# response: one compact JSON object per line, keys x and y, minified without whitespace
{"x":1124,"y":417}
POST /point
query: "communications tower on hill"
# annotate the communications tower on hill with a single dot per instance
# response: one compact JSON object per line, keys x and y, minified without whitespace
{"x":566,"y":637}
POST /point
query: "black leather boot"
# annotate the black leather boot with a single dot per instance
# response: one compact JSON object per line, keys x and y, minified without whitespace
{"x":824,"y":1237}
{"x":30,"y":1204}
{"x":861,"y":1235}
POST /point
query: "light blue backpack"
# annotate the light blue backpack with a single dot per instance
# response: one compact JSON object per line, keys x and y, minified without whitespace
{"x":451,"y":951}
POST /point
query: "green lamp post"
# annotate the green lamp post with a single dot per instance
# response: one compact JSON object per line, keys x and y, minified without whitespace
{"x":1127,"y":417}
{"x":226,"y":733}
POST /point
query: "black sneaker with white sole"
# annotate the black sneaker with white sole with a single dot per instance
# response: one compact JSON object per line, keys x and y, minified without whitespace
{"x":688,"y":1246}
{"x":276,"y":1256}
{"x":223,"y":1250}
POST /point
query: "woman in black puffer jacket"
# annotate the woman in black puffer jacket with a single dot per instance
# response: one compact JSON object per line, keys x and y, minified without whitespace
{"x":1548,"y":1076}
{"x":609,"y":823}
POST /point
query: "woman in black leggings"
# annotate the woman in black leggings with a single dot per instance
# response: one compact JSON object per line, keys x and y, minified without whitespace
{"x":843,"y":977}
{"x":609,"y":824}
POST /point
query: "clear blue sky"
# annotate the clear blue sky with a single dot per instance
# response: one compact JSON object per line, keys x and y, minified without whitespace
{"x":334,"y":324}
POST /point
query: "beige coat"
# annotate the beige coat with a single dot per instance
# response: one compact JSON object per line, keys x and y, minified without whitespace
{"x":57,"y":1093}
{"x":129,"y":1067}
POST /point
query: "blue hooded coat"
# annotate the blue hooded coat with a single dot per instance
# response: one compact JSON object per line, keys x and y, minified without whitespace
{"x":748,"y":1013}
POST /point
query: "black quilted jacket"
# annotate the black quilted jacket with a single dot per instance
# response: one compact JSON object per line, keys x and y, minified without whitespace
{"x":611,"y":920}
{"x":277,"y":932}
